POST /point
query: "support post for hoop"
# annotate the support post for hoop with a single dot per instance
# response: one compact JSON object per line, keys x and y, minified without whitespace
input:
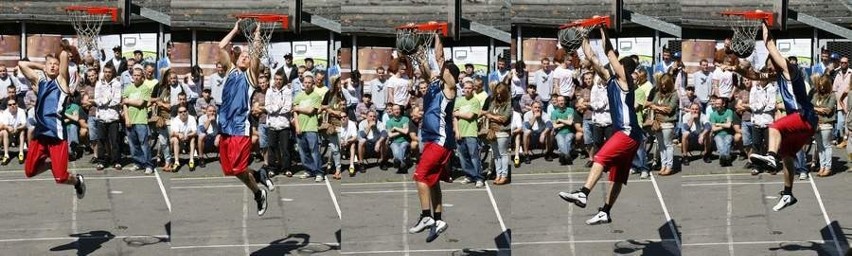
{"x":23,"y":39}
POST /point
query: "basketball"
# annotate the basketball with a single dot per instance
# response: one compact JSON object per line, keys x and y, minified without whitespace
{"x":570,"y":39}
{"x":407,"y":45}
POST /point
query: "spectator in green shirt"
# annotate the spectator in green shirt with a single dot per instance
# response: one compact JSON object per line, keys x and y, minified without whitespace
{"x":720,"y":125}
{"x":136,"y":98}
{"x":306,"y":105}
{"x":466,"y":112}
{"x":562,"y":119}
{"x":397,"y":128}
{"x":72,"y":124}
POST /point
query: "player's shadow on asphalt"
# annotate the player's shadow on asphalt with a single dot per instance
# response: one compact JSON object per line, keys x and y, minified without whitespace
{"x":828,"y":247}
{"x":86,"y":243}
{"x":295,"y":244}
{"x":667,"y":245}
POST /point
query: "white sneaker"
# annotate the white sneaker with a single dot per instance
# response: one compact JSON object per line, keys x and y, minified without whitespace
{"x":305,"y":175}
{"x":436,"y":230}
{"x":464,"y":180}
{"x":480,"y":184}
{"x":786,"y":200}
{"x":319,"y":178}
{"x":803,"y":176}
{"x":421,"y":225}
{"x":644,"y":175}
{"x":576,"y":197}
{"x":633,"y":171}
{"x":149,"y":170}
{"x":269,"y":184}
{"x":261,"y":203}
{"x":600,"y":218}
{"x":762,"y":160}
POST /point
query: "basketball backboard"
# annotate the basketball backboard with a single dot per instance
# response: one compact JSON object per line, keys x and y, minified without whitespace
{"x":617,"y":14}
{"x":780,"y":8}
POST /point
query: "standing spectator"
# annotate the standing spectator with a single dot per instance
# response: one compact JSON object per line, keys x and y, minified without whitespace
{"x":543,"y":80}
{"x":13,"y":123}
{"x":601,"y":119}
{"x":87,"y":124}
{"x":665,"y":108}
{"x":278,"y":104}
{"x":562,"y":118}
{"x":742,"y":119}
{"x":107,"y":101}
{"x":819,"y":67}
{"x":181,"y":102}
{"x":466,"y":112}
{"x":377,"y":90}
{"x":307,"y":105}
{"x":398,"y":85}
{"x":563,"y":75}
{"x":72,"y":118}
{"x":584,"y":111}
{"x":365,"y":107}
{"x":397,"y":128}
{"x":762,"y":105}
{"x":162,"y":114}
{"x":498,"y":119}
{"x":333,"y":111}
{"x":824,"y":102}
{"x":352,"y":91}
{"x":641,"y":95}
{"x":703,"y":83}
{"x":519,"y":84}
{"x":842,"y":80}
{"x":165,"y":62}
{"x":136,"y":99}
{"x":529,"y":98}
{"x":723,"y":80}
{"x":118,"y":61}
{"x":500,"y":72}
{"x":721,"y":121}
{"x":126,"y":77}
{"x":203,"y":102}
{"x":216,"y":84}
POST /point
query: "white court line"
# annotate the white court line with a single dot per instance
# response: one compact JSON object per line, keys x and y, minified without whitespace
{"x":242,"y":186}
{"x":333,"y":199}
{"x":564,"y":182}
{"x":665,"y":211}
{"x":753,"y":242}
{"x":587,"y":241}
{"x":18,"y":240}
{"x":730,"y":212}
{"x":499,"y":216}
{"x":163,"y":190}
{"x":825,"y":216}
{"x":374,"y":183}
{"x":715,"y":175}
{"x":691,"y":184}
{"x":245,"y":216}
{"x":422,"y":251}
{"x":572,"y":246}
{"x":240,"y":245}
{"x":74,"y":214}
{"x":22,"y":170}
{"x":87,"y":178}
{"x":405,"y":245}
{"x":549,"y":173}
{"x":405,"y":191}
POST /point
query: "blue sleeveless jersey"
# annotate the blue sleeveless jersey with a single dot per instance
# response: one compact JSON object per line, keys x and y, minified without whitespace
{"x":48,"y":110}
{"x":621,"y":109}
{"x":437,"y":124}
{"x":795,"y":96}
{"x":236,"y":104}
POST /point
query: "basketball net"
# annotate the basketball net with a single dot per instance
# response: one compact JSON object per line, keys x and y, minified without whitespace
{"x":88,"y":27}
{"x":258,"y":46}
{"x":571,"y":38}
{"x":745,"y":32}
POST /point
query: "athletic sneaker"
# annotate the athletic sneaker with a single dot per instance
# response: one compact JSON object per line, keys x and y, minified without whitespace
{"x":755,"y":172}
{"x":644,"y":175}
{"x":786,"y":200}
{"x":266,"y":180}
{"x":306,"y":175}
{"x":319,"y":178}
{"x":149,"y":170}
{"x":600,"y":218}
{"x":99,"y":167}
{"x":4,"y":160}
{"x":261,"y":202}
{"x":464,"y":180}
{"x":803,"y":176}
{"x":480,"y":184}
{"x":767,"y":160}
{"x":80,"y":187}
{"x":436,"y":230}
{"x":576,"y":197}
{"x":422,"y":224}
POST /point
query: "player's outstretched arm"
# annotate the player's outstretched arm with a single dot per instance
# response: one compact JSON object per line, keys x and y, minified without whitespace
{"x":224,"y":56}
{"x":617,"y":68}
{"x":439,"y":51}
{"x":62,"y":80}
{"x":254,"y":66}
{"x":774,"y":54}
{"x":28,"y":69}
{"x":596,"y":64}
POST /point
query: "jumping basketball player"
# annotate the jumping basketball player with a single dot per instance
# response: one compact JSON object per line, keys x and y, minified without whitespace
{"x":796,"y":128}
{"x":438,"y":142}
{"x":49,"y":135}
{"x":235,"y":143}
{"x":618,"y":152}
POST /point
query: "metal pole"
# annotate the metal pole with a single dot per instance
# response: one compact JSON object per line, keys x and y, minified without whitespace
{"x":331,"y":50}
{"x":160,"y":38}
{"x":519,"y":45}
{"x":23,"y":40}
{"x":194,"y":57}
{"x":815,"y":48}
{"x":491,"y":54}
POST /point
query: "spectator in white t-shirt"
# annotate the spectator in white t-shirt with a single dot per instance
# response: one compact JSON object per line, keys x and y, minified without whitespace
{"x":183,"y":129}
{"x":12,"y":123}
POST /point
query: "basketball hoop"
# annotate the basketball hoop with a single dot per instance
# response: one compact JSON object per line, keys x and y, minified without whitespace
{"x":413,"y":40}
{"x":87,"y":21}
{"x":258,"y":46}
{"x":571,"y":34}
{"x":745,"y":25}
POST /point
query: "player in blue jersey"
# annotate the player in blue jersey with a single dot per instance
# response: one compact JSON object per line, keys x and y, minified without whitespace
{"x":49,"y":140}
{"x":438,"y":140}
{"x":616,"y":155}
{"x":232,"y":118}
{"x":796,"y":128}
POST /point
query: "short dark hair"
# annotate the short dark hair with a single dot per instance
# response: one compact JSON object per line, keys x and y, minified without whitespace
{"x":182,"y":94}
{"x":454,"y":70}
{"x":468,"y":65}
{"x":137,"y":52}
{"x":207,"y":90}
{"x":309,"y":59}
{"x":117,"y":48}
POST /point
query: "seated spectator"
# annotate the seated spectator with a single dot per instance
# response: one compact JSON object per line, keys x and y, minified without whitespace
{"x":208,"y":129}
{"x":348,"y":135}
{"x":183,"y":129}
{"x":562,"y":118}
{"x":537,"y":129}
{"x":371,"y":140}
{"x":12,"y":125}
{"x":204,"y":101}
{"x":366,"y":106}
{"x":721,"y":126}
{"x":397,"y":128}
{"x":182,"y":102}
{"x":694,"y":131}
{"x":529,"y":98}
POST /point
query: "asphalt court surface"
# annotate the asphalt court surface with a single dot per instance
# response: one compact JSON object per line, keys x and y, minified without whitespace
{"x":123,"y":213}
